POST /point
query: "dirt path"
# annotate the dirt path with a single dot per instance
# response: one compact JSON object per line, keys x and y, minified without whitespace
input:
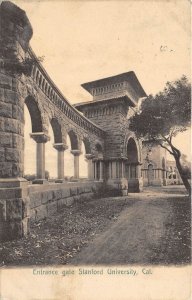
{"x":149,"y":232}
{"x":150,"y":227}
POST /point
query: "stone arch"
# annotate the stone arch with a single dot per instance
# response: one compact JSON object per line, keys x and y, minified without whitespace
{"x":150,"y":165}
{"x":132,"y":151}
{"x":73,"y":139}
{"x":130,"y":138}
{"x":147,"y":163}
{"x":87,"y":145}
{"x":132,"y":170}
{"x":56,"y":130}
{"x":150,"y":173}
{"x":35,"y":114}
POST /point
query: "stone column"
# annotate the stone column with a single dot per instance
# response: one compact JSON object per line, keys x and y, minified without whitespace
{"x":135,"y":180}
{"x":89,"y":158}
{"x":95,"y":170}
{"x":76,"y":154}
{"x":40,"y":138}
{"x":60,"y":147}
{"x":138,"y":171}
{"x":122,"y":169}
{"x":100,"y":170}
{"x":113,"y":169}
{"x":117,"y":183}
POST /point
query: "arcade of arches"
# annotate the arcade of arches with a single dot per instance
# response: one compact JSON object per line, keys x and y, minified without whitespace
{"x":100,"y":127}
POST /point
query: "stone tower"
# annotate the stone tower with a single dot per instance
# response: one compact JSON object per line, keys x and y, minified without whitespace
{"x":114,"y":99}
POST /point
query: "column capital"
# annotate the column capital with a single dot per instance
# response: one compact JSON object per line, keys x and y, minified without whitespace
{"x":89,"y":156}
{"x":40,"y":137}
{"x":60,"y":146}
{"x":76,"y":152}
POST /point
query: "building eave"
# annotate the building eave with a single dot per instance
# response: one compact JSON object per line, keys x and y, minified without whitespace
{"x":105,"y":101}
{"x":128,"y":76}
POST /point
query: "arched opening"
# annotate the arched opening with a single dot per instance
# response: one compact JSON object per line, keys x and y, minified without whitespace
{"x":132,"y":153}
{"x":150,"y":174}
{"x":73,"y":140}
{"x":51,"y":154}
{"x":35,"y":114}
{"x":33,"y":124}
{"x":132,"y":160}
{"x":69,"y":160}
{"x":29,"y":148}
{"x":87,"y":145}
{"x":56,"y":127}
{"x":83,"y":164}
{"x":174,"y":176}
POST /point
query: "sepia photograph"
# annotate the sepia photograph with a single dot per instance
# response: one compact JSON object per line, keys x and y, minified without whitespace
{"x":95,"y":149}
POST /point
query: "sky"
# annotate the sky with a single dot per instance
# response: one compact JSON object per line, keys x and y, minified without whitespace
{"x":83,"y":41}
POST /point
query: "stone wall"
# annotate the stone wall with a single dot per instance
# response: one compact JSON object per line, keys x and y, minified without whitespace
{"x":49,"y":199}
{"x":23,"y":81}
{"x":14,"y":209}
{"x":110,"y":115}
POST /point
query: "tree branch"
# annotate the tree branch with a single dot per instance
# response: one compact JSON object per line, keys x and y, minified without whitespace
{"x":171,"y":136}
{"x":178,"y":153}
{"x":174,"y":149}
{"x":166,"y":148}
{"x":167,"y":140}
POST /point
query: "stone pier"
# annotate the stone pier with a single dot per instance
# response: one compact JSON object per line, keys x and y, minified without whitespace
{"x":60,"y":147}
{"x":14,"y":200}
{"x":76,"y":154}
{"x":40,"y":138}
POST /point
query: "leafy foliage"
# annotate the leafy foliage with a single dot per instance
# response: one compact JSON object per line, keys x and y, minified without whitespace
{"x":165,"y":114}
{"x":10,"y":58}
{"x":186,"y":166}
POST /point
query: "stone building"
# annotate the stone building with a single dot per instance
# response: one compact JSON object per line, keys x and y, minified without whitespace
{"x":114,"y":154}
{"x":154,"y":164}
{"x":157,"y":170}
{"x":173,"y":176}
{"x":113,"y":98}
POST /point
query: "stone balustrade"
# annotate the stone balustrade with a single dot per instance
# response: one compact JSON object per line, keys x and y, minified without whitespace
{"x":44,"y":82}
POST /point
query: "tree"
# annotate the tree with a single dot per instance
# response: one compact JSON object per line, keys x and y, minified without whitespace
{"x":163,"y":116}
{"x":186,"y":166}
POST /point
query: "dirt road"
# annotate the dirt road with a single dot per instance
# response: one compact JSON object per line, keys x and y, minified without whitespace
{"x":152,"y":227}
{"x":155,"y":230}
